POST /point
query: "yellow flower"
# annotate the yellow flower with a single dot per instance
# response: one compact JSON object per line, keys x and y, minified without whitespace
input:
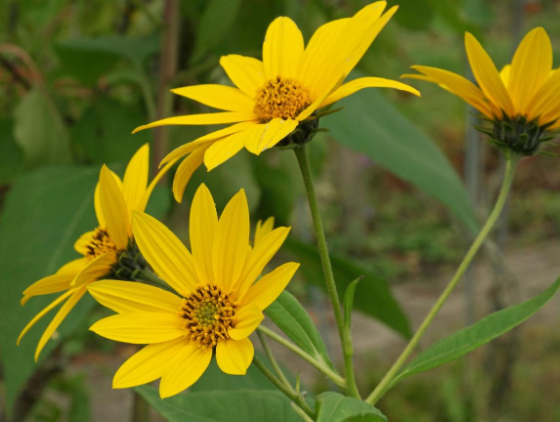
{"x":218,"y":303}
{"x":524,"y":94}
{"x":281,"y":93}
{"x":114,"y":200}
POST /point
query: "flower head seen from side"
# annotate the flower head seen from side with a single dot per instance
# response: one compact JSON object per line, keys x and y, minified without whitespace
{"x":218,"y":301}
{"x":277,"y":101}
{"x":104,"y":249}
{"x":522,"y":101}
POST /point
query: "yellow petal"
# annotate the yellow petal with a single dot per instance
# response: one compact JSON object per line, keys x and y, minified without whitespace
{"x":97,"y":201}
{"x":546,"y":101}
{"x":133,"y":297}
{"x":99,"y":267}
{"x":41,"y":314}
{"x":222,"y":150}
{"x":234,"y":356}
{"x":266,"y":135}
{"x":115,"y":210}
{"x":246,"y":73}
{"x":461,"y":87}
{"x":191,"y":146}
{"x":184,"y":369}
{"x":167,"y":255}
{"x":218,"y":96}
{"x":186,"y":170}
{"x":148,"y":192}
{"x":51,"y":284}
{"x":246,"y":320}
{"x":530,"y":68}
{"x":370,"y":82}
{"x":504,"y":74}
{"x":320,"y":99}
{"x":135,"y":179}
{"x":269,"y":287}
{"x":230,"y":243}
{"x":141,"y":328}
{"x":260,"y":256}
{"x":74,"y":266}
{"x":487,"y":75}
{"x":282,"y":49}
{"x":263,"y":229}
{"x":58,"y":318}
{"x":202,"y":119}
{"x":203,"y":224}
{"x":148,"y":364}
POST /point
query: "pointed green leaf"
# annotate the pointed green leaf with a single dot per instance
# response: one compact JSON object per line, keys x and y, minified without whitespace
{"x":334,"y":407}
{"x":288,"y":314}
{"x":349,"y":302}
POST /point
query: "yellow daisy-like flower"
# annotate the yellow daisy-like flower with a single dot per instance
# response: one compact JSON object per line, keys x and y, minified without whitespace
{"x":281,"y":93}
{"x":218,"y":303}
{"x":114,"y":201}
{"x":522,"y":100}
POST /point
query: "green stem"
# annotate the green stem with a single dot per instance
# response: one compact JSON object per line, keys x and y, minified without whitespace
{"x":293,"y":396}
{"x":274,"y":362}
{"x":150,"y":277}
{"x":385,"y":384}
{"x":337,"y":379}
{"x":345,"y":339}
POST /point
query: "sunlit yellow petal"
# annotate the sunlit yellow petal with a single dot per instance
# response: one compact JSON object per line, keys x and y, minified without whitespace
{"x":282,"y":49}
{"x":269,"y":287}
{"x":202,"y":226}
{"x":186,"y":170}
{"x":99,"y":267}
{"x":246,"y":320}
{"x":135,"y":179}
{"x":141,"y":328}
{"x":262,"y":253}
{"x":351,"y":87}
{"x":246,"y":73}
{"x":230,"y":242}
{"x":320,"y":99}
{"x":530,"y":67}
{"x":165,"y":253}
{"x":262,"y":229}
{"x":51,"y":284}
{"x":184,"y":369}
{"x":97,"y":201}
{"x":148,"y":364}
{"x":504,"y":74}
{"x":58,"y":318}
{"x":234,"y":356}
{"x":115,"y":210}
{"x":133,"y":297}
{"x":41,"y":314}
{"x":74,"y":266}
{"x":218,"y":96}
{"x":148,"y":192}
{"x":546,"y":102}
{"x":267,"y":135}
{"x":223,"y":149}
{"x":202,"y":119}
{"x":487,"y":75}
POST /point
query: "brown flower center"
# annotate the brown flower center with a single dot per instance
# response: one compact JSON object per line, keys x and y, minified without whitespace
{"x":100,"y":243}
{"x":281,"y":98}
{"x":208,"y":314}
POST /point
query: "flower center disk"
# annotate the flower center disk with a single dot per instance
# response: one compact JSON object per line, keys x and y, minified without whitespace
{"x":281,"y":98}
{"x":208,"y":314}
{"x":100,"y":243}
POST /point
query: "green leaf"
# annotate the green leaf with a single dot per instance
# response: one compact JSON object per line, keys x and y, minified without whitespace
{"x":374,"y":298}
{"x":104,"y":132}
{"x":334,"y":407}
{"x":11,"y":155}
{"x":44,"y":214}
{"x":40,"y":132}
{"x":215,"y":23}
{"x":468,"y":339}
{"x":288,"y":314}
{"x":222,"y":406}
{"x":371,"y":125}
{"x":349,"y":302}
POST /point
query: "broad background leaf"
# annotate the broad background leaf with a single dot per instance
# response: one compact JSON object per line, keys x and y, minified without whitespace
{"x":222,"y":406}
{"x":468,"y":339}
{"x":334,"y":407}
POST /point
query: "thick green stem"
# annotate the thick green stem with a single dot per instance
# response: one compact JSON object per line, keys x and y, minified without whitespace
{"x":345,"y":339}
{"x":150,"y":277}
{"x":274,"y":362}
{"x":334,"y":377}
{"x":385,"y":383}
{"x":293,"y":396}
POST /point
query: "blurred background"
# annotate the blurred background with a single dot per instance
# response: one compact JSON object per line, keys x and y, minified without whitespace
{"x":402,"y":183}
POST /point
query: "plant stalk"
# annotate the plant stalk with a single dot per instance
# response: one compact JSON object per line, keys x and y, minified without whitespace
{"x":293,"y":396}
{"x":511,"y":165}
{"x":345,"y":339}
{"x":274,"y":362}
